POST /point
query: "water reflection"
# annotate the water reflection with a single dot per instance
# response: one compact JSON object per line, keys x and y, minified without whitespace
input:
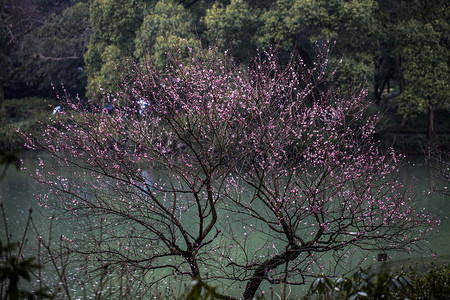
{"x":18,"y":192}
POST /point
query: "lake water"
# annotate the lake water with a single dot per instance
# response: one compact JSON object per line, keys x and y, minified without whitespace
{"x":18,"y":192}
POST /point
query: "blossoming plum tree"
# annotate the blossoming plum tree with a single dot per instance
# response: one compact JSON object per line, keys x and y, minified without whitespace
{"x":230,"y":174}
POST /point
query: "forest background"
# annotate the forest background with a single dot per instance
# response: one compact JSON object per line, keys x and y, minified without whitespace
{"x":399,"y":49}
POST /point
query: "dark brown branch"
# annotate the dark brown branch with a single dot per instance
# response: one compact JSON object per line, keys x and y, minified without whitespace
{"x":50,"y":58}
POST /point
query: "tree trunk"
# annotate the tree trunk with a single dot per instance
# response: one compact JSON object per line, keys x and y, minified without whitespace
{"x":430,"y":132}
{"x":2,"y":96}
{"x":378,"y":91}
{"x":378,"y":82}
{"x":261,"y":272}
{"x":195,"y":271}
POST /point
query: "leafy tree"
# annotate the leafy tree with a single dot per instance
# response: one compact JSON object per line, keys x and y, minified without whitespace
{"x":133,"y":28}
{"x":165,"y":190}
{"x":26,"y":28}
{"x":167,"y":26}
{"x":297,"y":24}
{"x":413,"y":55}
{"x":114,"y":25}
{"x":137,"y":29}
{"x":425,"y":57}
{"x":401,"y":43}
{"x":17,"y":19}
{"x":233,"y":26}
{"x":61,"y":42}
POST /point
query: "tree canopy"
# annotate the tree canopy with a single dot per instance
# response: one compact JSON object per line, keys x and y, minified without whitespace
{"x":387,"y":44}
{"x":400,"y":46}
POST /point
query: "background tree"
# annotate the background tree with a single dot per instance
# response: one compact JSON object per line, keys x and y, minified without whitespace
{"x":221,"y":147}
{"x":378,"y":41}
{"x":297,"y":24}
{"x":114,"y":25}
{"x":29,"y":42}
{"x":60,"y":43}
{"x":136,"y":28}
{"x":234,"y":27}
{"x":17,"y":19}
{"x":425,"y":55}
{"x":167,"y":26}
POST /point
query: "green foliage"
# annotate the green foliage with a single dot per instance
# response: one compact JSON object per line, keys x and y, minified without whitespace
{"x":49,"y":48}
{"x":381,"y":42}
{"x":134,"y":29}
{"x":353,"y":68}
{"x":167,"y":26}
{"x":15,"y":267}
{"x":107,"y":77}
{"x":361,"y":285}
{"x":426,"y":72}
{"x":300,"y":23}
{"x":432,"y":284}
{"x":200,"y":290}
{"x":63,"y":39}
{"x":289,"y":22}
{"x":233,"y":26}
{"x":64,"y":34}
{"x":114,"y":25}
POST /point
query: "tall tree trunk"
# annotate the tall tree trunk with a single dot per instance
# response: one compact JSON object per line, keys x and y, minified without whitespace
{"x":378,"y":91}
{"x":399,"y":75}
{"x":378,"y":82}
